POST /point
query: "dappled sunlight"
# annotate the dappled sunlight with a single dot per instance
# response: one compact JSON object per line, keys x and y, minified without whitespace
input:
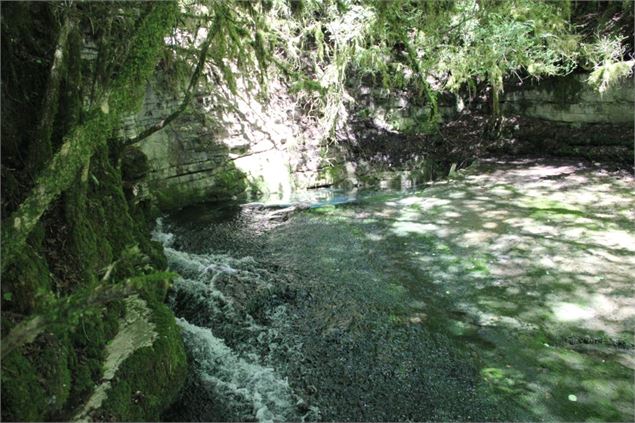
{"x":529,"y":249}
{"x":531,"y":226}
{"x":457,"y":195}
{"x":507,"y":262}
{"x":406,"y":227}
{"x":425,"y":203}
{"x":569,"y":312}
{"x":614,"y":239}
{"x":474,"y":238}
{"x":374,"y":237}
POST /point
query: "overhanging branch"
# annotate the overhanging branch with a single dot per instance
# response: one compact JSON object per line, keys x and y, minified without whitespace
{"x":200,"y":65}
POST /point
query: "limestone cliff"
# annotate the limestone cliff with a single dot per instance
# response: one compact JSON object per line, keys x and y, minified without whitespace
{"x":227,"y":145}
{"x":566,"y":117}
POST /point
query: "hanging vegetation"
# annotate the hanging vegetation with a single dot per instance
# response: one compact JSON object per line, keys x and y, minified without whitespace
{"x":74,"y":235}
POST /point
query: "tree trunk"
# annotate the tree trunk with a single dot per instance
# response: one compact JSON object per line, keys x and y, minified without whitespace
{"x":80,"y":144}
{"x":40,"y":148}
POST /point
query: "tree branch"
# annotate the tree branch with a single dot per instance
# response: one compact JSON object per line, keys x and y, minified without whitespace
{"x":188,"y":94}
{"x":66,"y":309}
{"x":80,"y":144}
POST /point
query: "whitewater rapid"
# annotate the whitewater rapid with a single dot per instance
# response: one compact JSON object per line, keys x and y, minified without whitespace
{"x":248,"y":388}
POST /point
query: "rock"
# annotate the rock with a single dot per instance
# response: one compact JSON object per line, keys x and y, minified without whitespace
{"x":134,"y":164}
{"x":571,"y":100}
{"x":418,"y":318}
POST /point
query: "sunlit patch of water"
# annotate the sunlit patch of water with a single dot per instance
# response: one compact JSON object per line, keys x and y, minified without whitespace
{"x":511,"y":263}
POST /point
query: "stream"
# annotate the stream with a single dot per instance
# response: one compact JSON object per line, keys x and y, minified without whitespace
{"x":503,"y":294}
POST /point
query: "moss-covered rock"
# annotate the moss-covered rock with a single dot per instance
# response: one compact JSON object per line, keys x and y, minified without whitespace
{"x":26,"y":282}
{"x":47,"y":379}
{"x":134,"y":164}
{"x":220,"y":183}
{"x":152,"y":376}
{"x":22,"y":395}
{"x":88,"y":340}
{"x":77,"y":227}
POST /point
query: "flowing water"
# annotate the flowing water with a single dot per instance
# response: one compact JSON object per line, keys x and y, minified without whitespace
{"x":505,"y":294}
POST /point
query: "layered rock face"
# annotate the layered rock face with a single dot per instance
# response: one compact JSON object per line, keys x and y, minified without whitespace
{"x":225,"y":146}
{"x":229,"y":145}
{"x":566,"y":117}
{"x":571,"y":100}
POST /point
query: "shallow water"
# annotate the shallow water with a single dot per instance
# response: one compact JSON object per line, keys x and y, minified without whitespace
{"x":505,"y":294}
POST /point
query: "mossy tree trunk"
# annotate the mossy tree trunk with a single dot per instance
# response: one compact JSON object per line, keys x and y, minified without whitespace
{"x":41,"y":149}
{"x":68,"y":264}
{"x":80,"y":144}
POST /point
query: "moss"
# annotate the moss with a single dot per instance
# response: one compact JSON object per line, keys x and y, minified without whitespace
{"x":81,"y":143}
{"x":231,"y":180}
{"x":115,"y":224}
{"x":92,"y":227}
{"x":134,"y":164}
{"x":102,"y":230}
{"x":59,"y":175}
{"x":83,"y":240}
{"x":127,"y":92}
{"x":256,"y":186}
{"x":67,"y":363}
{"x":88,"y":340}
{"x":324,"y":210}
{"x":334,"y":174}
{"x":51,"y":364}
{"x":149,"y":380}
{"x":22,"y":396}
{"x":429,"y":170}
{"x":47,"y":379}
{"x":369,"y":179}
{"x":606,"y":75}
{"x":119,"y":227}
{"x":226,"y":183}
{"x":26,"y":282}
{"x":566,"y":91}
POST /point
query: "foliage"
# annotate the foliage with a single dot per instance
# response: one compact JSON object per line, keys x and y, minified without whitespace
{"x":326,"y":49}
{"x":426,"y":47}
{"x":606,"y":54}
{"x":63,"y":260}
{"x":83,"y":67}
{"x":606,"y":74}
